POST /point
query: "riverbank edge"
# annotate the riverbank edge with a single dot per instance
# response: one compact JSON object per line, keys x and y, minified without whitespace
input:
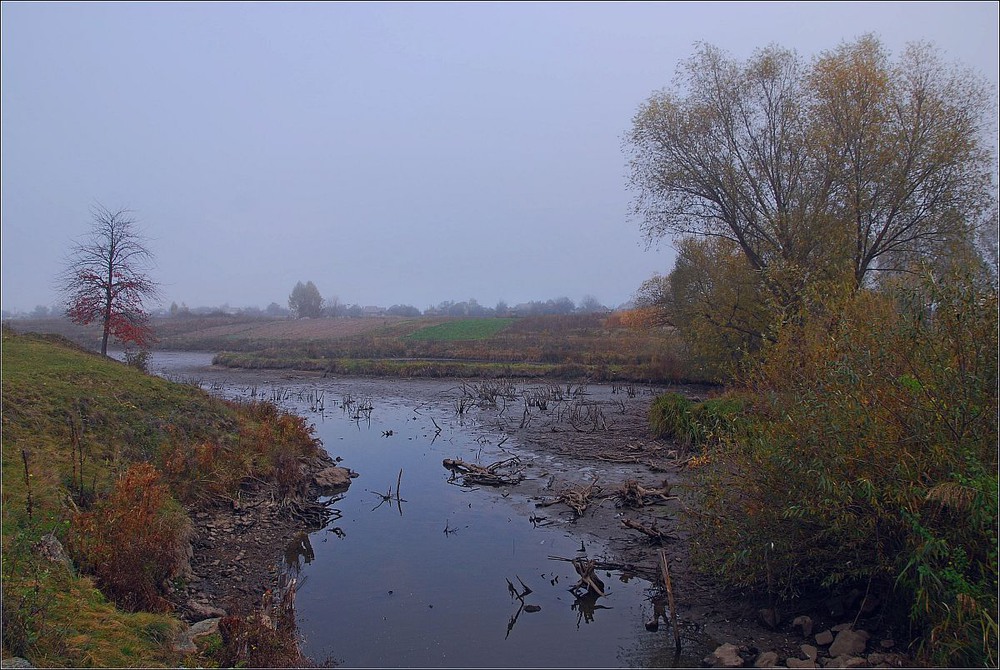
{"x":237,"y":547}
{"x":244,"y":559}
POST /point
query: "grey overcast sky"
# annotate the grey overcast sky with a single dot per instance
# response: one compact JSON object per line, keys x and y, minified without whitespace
{"x":391,"y":153}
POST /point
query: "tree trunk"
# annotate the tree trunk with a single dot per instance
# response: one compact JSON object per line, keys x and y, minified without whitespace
{"x":107,"y":309}
{"x":104,"y":337}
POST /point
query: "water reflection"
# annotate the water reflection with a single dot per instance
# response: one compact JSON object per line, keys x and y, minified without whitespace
{"x":586,"y":606}
{"x":298,"y":553}
{"x":449,"y":597}
{"x":523,"y":607}
{"x":388,"y":496}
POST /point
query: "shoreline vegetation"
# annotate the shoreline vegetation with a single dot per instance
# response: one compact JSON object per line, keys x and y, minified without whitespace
{"x":113,"y":481}
{"x":437,"y":368}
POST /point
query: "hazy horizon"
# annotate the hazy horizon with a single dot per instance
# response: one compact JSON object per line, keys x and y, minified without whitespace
{"x":390,"y":153}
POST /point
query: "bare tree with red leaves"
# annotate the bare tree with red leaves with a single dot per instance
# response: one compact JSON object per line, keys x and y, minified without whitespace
{"x":106,"y":279}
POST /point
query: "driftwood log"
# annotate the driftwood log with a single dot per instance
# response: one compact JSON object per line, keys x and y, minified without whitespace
{"x":652,"y":532}
{"x":577,"y":497}
{"x":646,"y":570}
{"x":633,"y":494}
{"x":587,"y":570}
{"x":488,"y":475}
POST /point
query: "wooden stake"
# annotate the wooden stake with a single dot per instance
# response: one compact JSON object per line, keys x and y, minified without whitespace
{"x":27,"y":480}
{"x":664,"y":567}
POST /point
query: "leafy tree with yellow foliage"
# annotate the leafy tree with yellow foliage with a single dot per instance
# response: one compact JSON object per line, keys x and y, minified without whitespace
{"x":781,"y":178}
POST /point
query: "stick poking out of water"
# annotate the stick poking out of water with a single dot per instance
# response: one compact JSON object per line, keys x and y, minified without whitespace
{"x":665,"y":568}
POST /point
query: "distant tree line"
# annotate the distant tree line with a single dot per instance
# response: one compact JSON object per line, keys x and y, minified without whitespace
{"x":306,"y":301}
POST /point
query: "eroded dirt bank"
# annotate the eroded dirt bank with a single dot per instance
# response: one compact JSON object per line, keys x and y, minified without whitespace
{"x":237,"y":547}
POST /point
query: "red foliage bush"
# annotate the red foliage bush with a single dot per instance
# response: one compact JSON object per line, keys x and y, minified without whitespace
{"x":133,"y":539}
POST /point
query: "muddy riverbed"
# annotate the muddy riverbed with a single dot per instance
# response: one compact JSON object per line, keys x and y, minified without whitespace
{"x":421,"y":570}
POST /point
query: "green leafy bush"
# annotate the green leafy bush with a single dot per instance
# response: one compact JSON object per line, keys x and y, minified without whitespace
{"x":695,"y":424}
{"x":670,"y":417}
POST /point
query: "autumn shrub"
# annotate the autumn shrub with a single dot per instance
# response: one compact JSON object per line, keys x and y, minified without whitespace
{"x":872,"y":464}
{"x":265,"y":445}
{"x":274,"y":442}
{"x":636,"y":318}
{"x":137,"y":358}
{"x":200,"y":471}
{"x":133,"y":540}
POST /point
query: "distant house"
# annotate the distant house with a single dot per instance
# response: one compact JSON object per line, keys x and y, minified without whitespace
{"x":372,"y":310}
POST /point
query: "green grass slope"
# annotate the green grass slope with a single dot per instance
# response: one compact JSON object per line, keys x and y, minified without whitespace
{"x":53,"y":615}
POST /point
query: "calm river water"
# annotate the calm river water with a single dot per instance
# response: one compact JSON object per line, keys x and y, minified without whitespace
{"x":423,"y":582}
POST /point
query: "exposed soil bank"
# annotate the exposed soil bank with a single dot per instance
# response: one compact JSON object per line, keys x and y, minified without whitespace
{"x":237,"y":550}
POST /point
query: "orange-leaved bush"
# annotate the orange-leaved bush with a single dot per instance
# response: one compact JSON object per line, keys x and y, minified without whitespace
{"x":133,"y":540}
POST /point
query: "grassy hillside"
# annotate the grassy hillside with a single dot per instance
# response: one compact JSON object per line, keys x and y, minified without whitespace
{"x":73,"y":423}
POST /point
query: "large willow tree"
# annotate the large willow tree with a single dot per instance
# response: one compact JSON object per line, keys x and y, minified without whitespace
{"x":851,"y":162}
{"x":835,"y":171}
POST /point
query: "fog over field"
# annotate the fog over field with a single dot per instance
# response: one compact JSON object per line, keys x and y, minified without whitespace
{"x":390,"y":153}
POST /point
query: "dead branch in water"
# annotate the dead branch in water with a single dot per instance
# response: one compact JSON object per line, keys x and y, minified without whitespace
{"x":488,"y":475}
{"x":652,"y":532}
{"x":577,"y":497}
{"x":633,"y":494}
{"x":586,"y":569}
{"x":647,"y":572}
{"x":587,"y":417}
{"x":665,"y":568}
{"x":617,"y":458}
{"x":388,"y":495}
{"x":514,"y":592}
